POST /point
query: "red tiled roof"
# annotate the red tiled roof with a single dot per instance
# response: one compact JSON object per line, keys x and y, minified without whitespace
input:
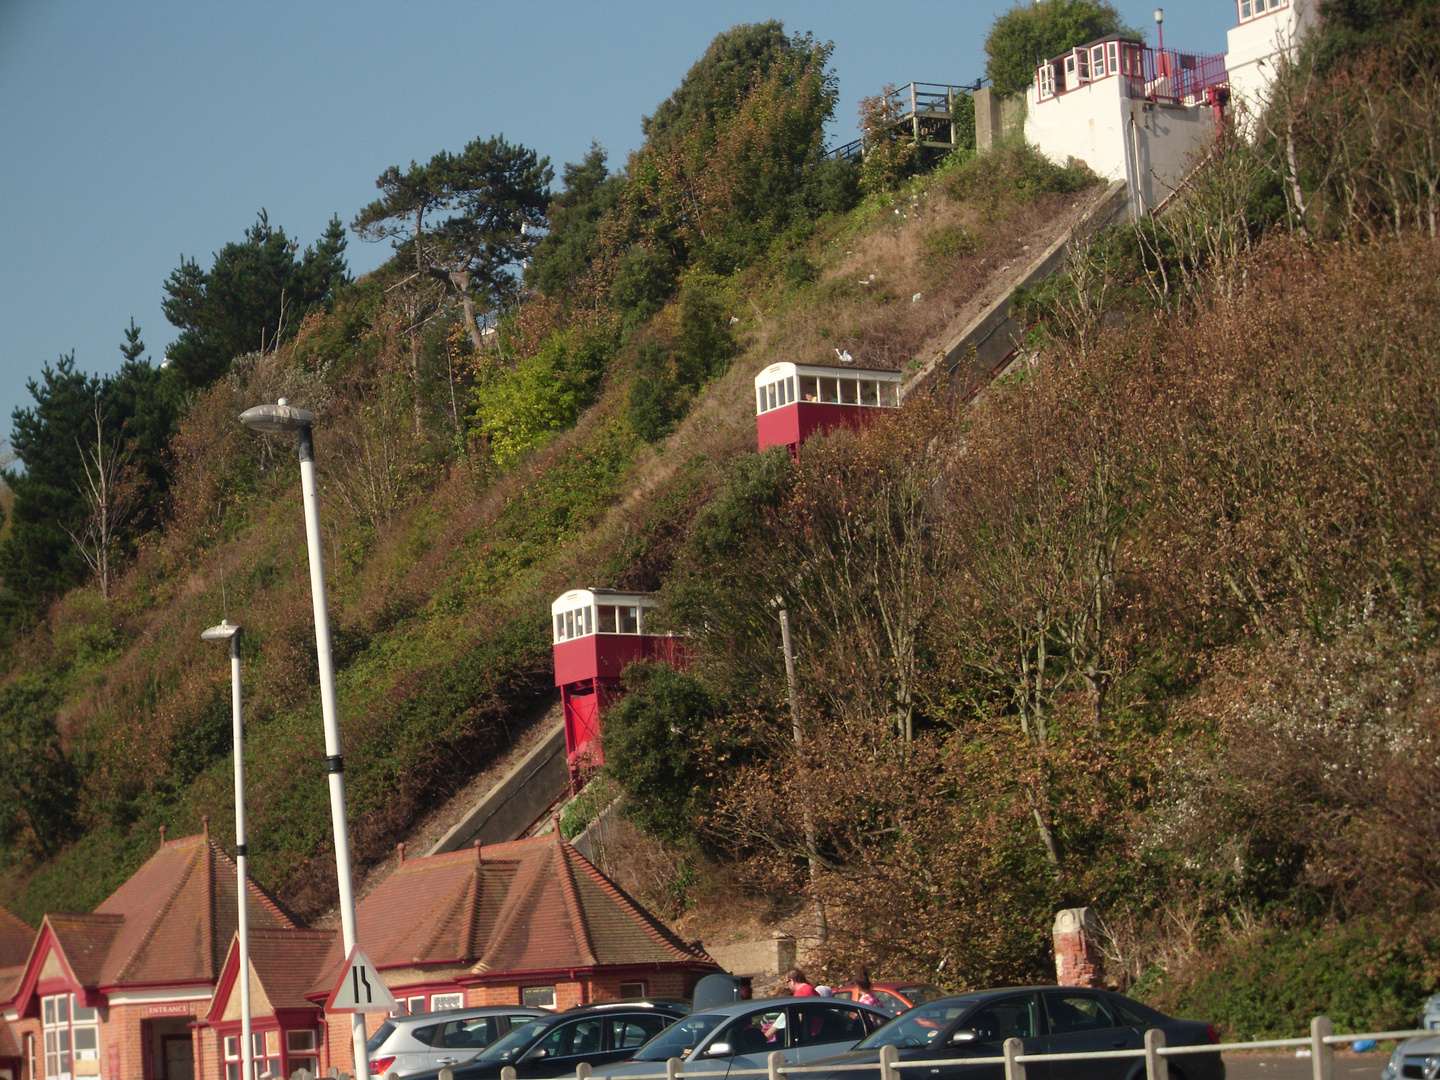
{"x":178,"y":916}
{"x":527,"y":905}
{"x":16,"y":939}
{"x":286,"y":962}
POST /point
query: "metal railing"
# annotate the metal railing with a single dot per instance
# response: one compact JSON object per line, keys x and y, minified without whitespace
{"x":1322,"y":1041}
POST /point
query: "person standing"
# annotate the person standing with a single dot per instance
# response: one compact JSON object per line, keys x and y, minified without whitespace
{"x":862,"y":987}
{"x":799,"y":985}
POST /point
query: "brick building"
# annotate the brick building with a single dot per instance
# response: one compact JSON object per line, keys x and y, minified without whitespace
{"x":526,"y":922}
{"x":115,"y":992}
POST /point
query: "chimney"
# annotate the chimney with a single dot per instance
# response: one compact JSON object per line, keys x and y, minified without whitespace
{"x":162,"y":836}
{"x":400,"y":851}
{"x":1077,"y":947}
{"x":205,"y":825}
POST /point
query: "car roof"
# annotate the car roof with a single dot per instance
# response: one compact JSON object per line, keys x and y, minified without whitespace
{"x":629,"y":1003}
{"x":740,"y":1007}
{"x":464,"y":1011}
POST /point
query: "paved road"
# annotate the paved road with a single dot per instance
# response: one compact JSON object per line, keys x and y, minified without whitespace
{"x":1278,"y":1067}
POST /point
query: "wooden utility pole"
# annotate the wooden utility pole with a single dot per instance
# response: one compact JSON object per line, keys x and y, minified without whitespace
{"x":822,"y":929}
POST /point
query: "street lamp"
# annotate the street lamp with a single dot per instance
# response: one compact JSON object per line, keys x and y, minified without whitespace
{"x":1160,"y":26}
{"x":276,"y":420}
{"x":231,"y":634}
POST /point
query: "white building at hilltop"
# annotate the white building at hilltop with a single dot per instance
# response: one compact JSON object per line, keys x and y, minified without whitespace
{"x":1147,"y":115}
{"x":1268,"y":30}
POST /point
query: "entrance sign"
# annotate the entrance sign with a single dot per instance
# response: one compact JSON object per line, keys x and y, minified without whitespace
{"x":360,"y":988}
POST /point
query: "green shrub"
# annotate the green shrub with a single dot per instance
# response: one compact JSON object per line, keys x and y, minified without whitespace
{"x":1364,"y":974}
{"x":655,"y":399}
{"x":525,"y":408}
{"x":654,"y":740}
{"x":643,"y":281}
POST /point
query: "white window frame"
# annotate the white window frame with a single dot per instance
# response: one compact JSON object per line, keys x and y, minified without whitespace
{"x":530,"y":997}
{"x":59,"y":1025}
{"x":448,"y":1001}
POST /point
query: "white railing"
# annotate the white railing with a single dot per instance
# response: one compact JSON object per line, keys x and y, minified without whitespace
{"x":1322,"y":1041}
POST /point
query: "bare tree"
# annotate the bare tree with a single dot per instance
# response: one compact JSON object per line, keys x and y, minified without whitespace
{"x":110,"y":493}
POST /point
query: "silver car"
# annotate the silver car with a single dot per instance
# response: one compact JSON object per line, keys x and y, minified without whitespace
{"x":1414,"y":1059}
{"x":744,"y":1035}
{"x":406,"y":1045}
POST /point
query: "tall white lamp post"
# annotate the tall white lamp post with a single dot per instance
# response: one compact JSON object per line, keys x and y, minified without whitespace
{"x":231,"y":635}
{"x":276,"y":420}
{"x":1160,"y":26}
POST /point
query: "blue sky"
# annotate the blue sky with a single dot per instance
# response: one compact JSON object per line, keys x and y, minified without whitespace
{"x":132,"y":133}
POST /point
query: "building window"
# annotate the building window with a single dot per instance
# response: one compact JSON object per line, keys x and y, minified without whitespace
{"x":300,"y":1052}
{"x":416,"y":1005}
{"x":538,"y":997}
{"x":632,"y":990}
{"x":454,"y":1001}
{"x":30,"y":1062}
{"x":71,"y":1036}
{"x":265,"y":1051}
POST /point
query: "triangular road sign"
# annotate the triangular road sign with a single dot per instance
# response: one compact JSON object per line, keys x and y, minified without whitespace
{"x":360,"y":988}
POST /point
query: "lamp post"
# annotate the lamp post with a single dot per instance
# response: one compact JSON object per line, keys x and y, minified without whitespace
{"x":1160,"y":26}
{"x":231,"y":635}
{"x":275,"y":420}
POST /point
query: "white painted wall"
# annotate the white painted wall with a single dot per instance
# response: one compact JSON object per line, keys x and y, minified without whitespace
{"x":1151,"y":146}
{"x":1086,"y":123}
{"x":1255,"y":46}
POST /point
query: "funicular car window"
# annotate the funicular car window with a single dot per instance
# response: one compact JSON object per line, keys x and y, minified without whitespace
{"x":826,"y":1023}
{"x":920,"y":1026}
{"x":1076,"y":1012}
{"x":1008,"y":1018}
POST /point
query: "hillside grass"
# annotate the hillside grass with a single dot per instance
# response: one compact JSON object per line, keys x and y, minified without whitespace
{"x":440,"y":578}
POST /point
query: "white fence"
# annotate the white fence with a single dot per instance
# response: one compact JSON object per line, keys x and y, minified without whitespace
{"x":1321,"y":1041}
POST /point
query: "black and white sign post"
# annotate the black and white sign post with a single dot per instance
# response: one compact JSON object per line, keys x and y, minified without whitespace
{"x":276,"y":420}
{"x":360,"y":989}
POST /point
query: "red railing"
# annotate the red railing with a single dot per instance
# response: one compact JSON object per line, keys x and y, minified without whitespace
{"x":1167,"y":75}
{"x":1179,"y":78}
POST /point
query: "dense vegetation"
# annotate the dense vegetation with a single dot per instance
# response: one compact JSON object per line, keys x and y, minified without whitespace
{"x":1152,"y":627}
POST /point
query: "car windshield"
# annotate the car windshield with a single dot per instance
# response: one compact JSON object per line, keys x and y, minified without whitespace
{"x":679,"y":1038}
{"x":920,"y":1026}
{"x":516,"y":1043}
{"x":920,"y":993}
{"x":381,"y":1034}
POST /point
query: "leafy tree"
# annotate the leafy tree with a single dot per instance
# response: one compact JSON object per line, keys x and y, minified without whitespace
{"x":1030,"y":33}
{"x":562,"y":258}
{"x":655,"y":741}
{"x":644,"y":278}
{"x":38,"y":784}
{"x":718,"y":82}
{"x":254,"y":294}
{"x":706,"y":343}
{"x":464,"y":219}
{"x":655,"y":403}
{"x":526,"y":407}
{"x":37,"y":559}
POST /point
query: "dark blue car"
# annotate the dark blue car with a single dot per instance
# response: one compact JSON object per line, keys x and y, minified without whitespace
{"x":1046,"y":1020}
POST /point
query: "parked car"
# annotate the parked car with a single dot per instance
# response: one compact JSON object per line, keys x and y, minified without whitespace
{"x":1047,"y":1020}
{"x":895,"y":998}
{"x":743,"y":1036}
{"x":553,"y":1044}
{"x":406,"y":1045}
{"x":1410,"y":1058}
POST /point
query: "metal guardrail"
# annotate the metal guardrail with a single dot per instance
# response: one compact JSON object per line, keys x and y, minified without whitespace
{"x":1322,"y":1041}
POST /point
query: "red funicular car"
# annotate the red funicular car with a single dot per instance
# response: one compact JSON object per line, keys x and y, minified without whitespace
{"x":597,"y":633}
{"x":795,"y":401}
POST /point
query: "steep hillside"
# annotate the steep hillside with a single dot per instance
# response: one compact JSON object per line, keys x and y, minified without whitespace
{"x":441,"y":567}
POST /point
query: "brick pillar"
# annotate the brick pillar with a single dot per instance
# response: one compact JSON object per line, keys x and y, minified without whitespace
{"x":1077,"y":947}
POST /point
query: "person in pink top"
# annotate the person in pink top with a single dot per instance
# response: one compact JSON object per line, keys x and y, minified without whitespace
{"x":799,"y":985}
{"x":862,"y":987}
